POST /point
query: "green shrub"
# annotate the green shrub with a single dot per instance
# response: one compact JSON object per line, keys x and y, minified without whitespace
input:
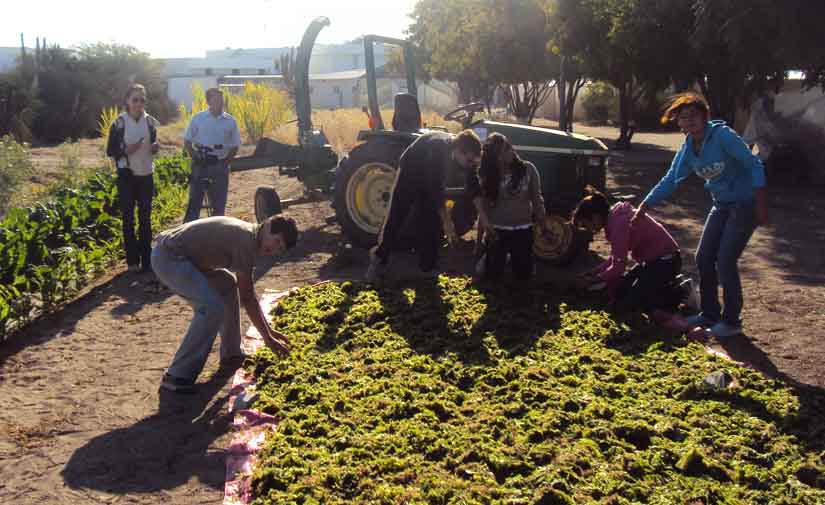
{"x":259,"y":110}
{"x":15,"y":165}
{"x":18,"y":106}
{"x":600,"y":102}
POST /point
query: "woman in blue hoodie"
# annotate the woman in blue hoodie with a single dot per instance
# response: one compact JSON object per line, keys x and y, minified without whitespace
{"x":735,"y":179}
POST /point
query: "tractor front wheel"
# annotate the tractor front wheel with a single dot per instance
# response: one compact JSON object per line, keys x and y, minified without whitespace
{"x":559,"y":242}
{"x":267,"y":203}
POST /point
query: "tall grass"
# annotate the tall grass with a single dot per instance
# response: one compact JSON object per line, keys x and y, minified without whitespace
{"x":341,"y":126}
{"x":259,"y":109}
{"x":198,"y":100}
{"x":72,"y":170}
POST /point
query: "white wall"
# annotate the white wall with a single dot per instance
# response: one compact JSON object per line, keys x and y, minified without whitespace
{"x":179,"y":89}
{"x":333,"y":93}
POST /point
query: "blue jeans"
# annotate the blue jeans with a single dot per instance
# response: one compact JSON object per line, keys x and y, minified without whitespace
{"x":214,"y":298}
{"x":727,"y":231}
{"x":218,"y":173}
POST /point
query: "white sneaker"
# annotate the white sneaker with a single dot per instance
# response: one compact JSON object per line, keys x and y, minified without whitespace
{"x":699,"y":320}
{"x":723,"y":330}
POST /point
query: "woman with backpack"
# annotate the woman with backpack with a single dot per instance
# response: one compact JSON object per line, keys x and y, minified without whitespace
{"x":132,"y":145}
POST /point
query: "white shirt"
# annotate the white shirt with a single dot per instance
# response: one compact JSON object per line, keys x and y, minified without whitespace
{"x":140,"y":161}
{"x":207,"y":130}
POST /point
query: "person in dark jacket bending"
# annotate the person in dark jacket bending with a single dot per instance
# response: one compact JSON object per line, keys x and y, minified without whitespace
{"x":420,"y":183}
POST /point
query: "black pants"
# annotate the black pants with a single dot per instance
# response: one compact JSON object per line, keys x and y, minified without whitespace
{"x":651,"y":285}
{"x":519,"y":244}
{"x":408,"y":202}
{"x":136,"y":190}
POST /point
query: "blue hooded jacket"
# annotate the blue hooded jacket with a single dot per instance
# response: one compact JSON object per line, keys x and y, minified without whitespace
{"x":730,"y":170}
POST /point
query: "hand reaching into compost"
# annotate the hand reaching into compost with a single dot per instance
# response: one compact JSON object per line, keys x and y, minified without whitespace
{"x":276,"y":345}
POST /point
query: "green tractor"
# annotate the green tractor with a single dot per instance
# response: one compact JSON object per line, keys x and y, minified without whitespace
{"x":361,"y":183}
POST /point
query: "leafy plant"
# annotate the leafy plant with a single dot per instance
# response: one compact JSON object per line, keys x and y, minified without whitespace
{"x":50,"y":251}
{"x":444,"y":393}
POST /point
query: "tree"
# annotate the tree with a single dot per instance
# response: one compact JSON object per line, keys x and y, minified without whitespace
{"x":484,"y":44}
{"x":803,"y":46}
{"x":736,"y":50}
{"x":117,"y":66}
{"x":18,"y":106}
{"x":74,"y":86}
{"x":449,"y":36}
{"x":638,"y":46}
{"x":518,"y":49}
{"x":572,"y":32}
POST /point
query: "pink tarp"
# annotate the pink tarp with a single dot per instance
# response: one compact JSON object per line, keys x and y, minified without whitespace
{"x":251,"y":426}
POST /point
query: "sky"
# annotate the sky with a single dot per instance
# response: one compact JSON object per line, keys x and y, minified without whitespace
{"x":186,"y":28}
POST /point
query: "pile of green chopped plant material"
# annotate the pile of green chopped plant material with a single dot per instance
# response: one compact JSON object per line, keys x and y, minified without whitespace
{"x":441,"y":393}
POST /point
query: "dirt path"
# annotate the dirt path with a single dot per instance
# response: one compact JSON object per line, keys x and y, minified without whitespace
{"x":83,"y":421}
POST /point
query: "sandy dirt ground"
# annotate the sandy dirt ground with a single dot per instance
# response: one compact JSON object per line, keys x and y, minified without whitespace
{"x":83,"y":420}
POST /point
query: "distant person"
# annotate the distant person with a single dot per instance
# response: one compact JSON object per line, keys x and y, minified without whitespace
{"x":209,"y":263}
{"x":735,"y":179}
{"x":132,"y":145}
{"x":653,"y":281}
{"x":509,"y":201}
{"x":212,"y":140}
{"x":420,"y":184}
{"x":371,"y":122}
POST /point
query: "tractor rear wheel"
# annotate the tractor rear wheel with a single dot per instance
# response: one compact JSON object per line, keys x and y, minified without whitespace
{"x":561,"y":243}
{"x":267,"y":203}
{"x":363,"y":187}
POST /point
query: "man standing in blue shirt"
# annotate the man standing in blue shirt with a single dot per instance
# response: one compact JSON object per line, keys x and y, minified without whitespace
{"x":212,"y":140}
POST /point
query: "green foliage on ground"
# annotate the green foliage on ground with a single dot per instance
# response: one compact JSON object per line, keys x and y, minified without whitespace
{"x":442,"y":393}
{"x":50,"y":251}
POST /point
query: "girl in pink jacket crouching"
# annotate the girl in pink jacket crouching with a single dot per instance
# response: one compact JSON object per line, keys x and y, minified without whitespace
{"x":654,"y":284}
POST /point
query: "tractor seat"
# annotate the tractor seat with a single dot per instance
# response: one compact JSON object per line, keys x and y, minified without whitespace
{"x":407,"y":115}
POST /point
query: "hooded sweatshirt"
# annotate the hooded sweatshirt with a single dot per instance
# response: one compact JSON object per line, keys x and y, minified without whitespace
{"x":730,"y":170}
{"x":646,"y":240}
